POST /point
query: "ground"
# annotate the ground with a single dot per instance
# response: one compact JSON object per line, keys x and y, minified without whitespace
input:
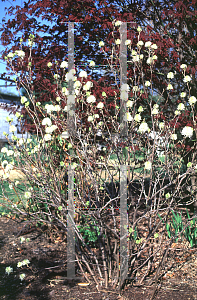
{"x":46,"y":274}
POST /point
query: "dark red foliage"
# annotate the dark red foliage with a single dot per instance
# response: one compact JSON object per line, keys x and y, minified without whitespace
{"x":170,"y":24}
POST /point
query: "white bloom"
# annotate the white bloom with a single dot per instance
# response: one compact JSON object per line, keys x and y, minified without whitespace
{"x":76,"y":92}
{"x":56,"y":108}
{"x":23,"y":99}
{"x":20,"y":53}
{"x":129,"y":117}
{"x":56,"y":76}
{"x":141,"y":56}
{"x":19,"y":264}
{"x":135,"y":88}
{"x":174,"y":136}
{"x":10,"y":55}
{"x":17,"y":114}
{"x":77,"y":84}
{"x":137,"y":118}
{"x":177,"y":112}
{"x":101,"y":44}
{"x":139,"y":29}
{"x":88,"y":85}
{"x":187,"y":131}
{"x":183,"y":66}
{"x":27,"y":195}
{"x":51,"y":129}
{"x":47,"y":137}
{"x":187,"y":78}
{"x":22,"y":276}
{"x":183,"y":95}
{"x":16,"y":182}
{"x":90,"y":118}
{"x":147,"y":83}
{"x":8,"y":270}
{"x":4,"y":150}
{"x":161,"y":125}
{"x":96,"y":116}
{"x":155,"y":111}
{"x":49,"y":65}
{"x":133,"y":52}
{"x":181,"y":106}
{"x":100,"y":105}
{"x":58,"y":99}
{"x":170,"y":75}
{"x":65,"y":135}
{"x":65,"y":108}
{"x":136,"y":58}
{"x":129,"y":103}
{"x":92,"y":63}
{"x":10,"y":152}
{"x":64,"y":64}
{"x":169,"y":87}
{"x":12,"y":128}
{"x":91,"y":99}
{"x":20,"y":141}
{"x":83,"y":74}
{"x":154,"y":46}
{"x":69,"y":76}
{"x":149,"y":60}
{"x":140,"y":109}
{"x":154,"y":57}
{"x":140,"y":43}
{"x":25,"y":262}
{"x":127,"y":42}
{"x":148,"y":44}
{"x":118,"y":23}
{"x":148,"y":165}
{"x":46,"y":121}
{"x":192,"y":100}
{"x":8,"y":168}
{"x":65,"y":91}
{"x":143,"y":127}
{"x":117,"y":42}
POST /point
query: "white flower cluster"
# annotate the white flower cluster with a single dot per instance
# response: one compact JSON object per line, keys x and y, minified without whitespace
{"x":91,"y":99}
{"x":155,"y":110}
{"x":88,"y":85}
{"x":7,"y":167}
{"x":50,"y":108}
{"x":143,"y":127}
{"x":148,"y":165}
{"x":192,"y":100}
{"x":187,"y":131}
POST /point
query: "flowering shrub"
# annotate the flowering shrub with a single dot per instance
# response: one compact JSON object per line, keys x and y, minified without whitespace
{"x":152,"y":152}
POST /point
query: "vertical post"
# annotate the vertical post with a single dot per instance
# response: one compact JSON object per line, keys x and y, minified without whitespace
{"x":123,"y":81}
{"x":70,"y":226}
{"x":71,"y":130}
{"x":71,"y":96}
{"x":123,"y":224}
{"x":123,"y":168}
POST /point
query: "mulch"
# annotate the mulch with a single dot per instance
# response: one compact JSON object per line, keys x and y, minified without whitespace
{"x":46,"y":274}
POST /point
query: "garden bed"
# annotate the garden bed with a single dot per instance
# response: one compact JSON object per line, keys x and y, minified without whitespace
{"x":46,"y":274}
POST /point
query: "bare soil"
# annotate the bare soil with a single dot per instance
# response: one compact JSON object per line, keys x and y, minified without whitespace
{"x":46,"y":274}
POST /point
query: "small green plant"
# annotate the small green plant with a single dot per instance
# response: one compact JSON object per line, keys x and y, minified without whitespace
{"x":89,"y":232}
{"x":191,"y":231}
{"x":176,"y":226}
